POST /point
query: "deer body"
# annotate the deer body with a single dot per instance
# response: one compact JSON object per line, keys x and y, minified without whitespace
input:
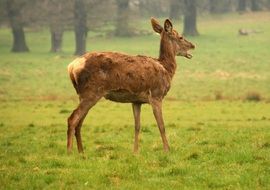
{"x":119,"y":77}
{"x":126,"y":79}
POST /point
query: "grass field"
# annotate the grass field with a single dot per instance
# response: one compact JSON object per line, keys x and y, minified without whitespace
{"x":217,"y":116}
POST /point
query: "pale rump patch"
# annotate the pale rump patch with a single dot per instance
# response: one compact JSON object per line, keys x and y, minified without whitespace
{"x":76,"y":66}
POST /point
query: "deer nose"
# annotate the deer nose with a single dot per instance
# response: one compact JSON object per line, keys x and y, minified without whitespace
{"x":192,"y":46}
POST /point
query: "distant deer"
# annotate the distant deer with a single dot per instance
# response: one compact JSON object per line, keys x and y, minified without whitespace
{"x":126,"y":79}
{"x":246,"y":32}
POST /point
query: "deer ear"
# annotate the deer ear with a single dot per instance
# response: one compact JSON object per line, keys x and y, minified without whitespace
{"x":168,"y":26}
{"x":156,"y":26}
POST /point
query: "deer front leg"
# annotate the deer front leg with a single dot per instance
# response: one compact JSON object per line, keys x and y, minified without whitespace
{"x":136,"y":112}
{"x":157,"y":110}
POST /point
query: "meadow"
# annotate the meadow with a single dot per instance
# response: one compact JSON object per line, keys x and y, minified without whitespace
{"x":217,"y":115}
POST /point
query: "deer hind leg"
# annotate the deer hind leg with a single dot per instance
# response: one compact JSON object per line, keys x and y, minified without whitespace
{"x":76,"y":119}
{"x":157,"y":110}
{"x":136,"y":112}
{"x":78,"y":135}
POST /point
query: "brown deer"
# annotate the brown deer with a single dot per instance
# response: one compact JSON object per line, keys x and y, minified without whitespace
{"x":126,"y":79}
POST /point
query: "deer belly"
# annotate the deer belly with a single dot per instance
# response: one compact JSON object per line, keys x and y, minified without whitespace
{"x":125,"y":96}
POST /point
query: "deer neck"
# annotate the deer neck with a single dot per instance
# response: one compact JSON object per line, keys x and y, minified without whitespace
{"x":167,"y":56}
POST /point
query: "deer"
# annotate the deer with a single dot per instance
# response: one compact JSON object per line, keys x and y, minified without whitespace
{"x":126,"y":78}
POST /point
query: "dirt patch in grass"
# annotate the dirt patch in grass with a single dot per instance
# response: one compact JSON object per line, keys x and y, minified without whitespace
{"x":253,"y":96}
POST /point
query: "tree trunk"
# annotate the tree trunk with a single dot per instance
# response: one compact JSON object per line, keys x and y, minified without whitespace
{"x":80,"y":27}
{"x":255,"y":5}
{"x":122,"y":24}
{"x":56,"y":11}
{"x":56,"y":40}
{"x":242,"y":5}
{"x":19,"y":43}
{"x":190,"y":18}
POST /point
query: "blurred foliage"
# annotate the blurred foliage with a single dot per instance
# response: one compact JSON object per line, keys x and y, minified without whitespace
{"x":40,"y":13}
{"x":112,"y":17}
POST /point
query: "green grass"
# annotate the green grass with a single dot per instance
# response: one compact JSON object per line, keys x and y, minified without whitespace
{"x":219,"y":138}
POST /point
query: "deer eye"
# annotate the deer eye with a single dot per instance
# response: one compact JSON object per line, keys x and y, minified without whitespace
{"x":181,"y":37}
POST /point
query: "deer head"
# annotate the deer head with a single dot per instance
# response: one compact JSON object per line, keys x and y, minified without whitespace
{"x":171,"y":39}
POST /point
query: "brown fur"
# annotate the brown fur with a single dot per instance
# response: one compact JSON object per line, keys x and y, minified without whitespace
{"x":126,"y":79}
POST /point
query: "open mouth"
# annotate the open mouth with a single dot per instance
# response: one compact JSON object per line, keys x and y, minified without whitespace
{"x":188,"y":55}
{"x":185,"y":54}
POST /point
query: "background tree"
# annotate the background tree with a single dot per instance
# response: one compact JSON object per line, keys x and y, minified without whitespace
{"x":175,"y":9}
{"x":98,"y":19}
{"x":56,"y":14}
{"x":267,"y":4}
{"x":108,"y":17}
{"x":190,"y":18}
{"x":157,"y":8}
{"x":14,"y":8}
{"x":213,"y":6}
{"x":255,"y":5}
{"x":242,"y":5}
{"x":3,"y":12}
{"x":122,"y":27}
{"x":80,"y":26}
{"x":220,"y":6}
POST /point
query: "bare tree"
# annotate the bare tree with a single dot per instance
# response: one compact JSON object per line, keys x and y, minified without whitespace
{"x":242,"y":5}
{"x":175,"y":9}
{"x":80,"y":27}
{"x":57,"y":32}
{"x":56,"y":24}
{"x":255,"y":5}
{"x":190,"y":18}
{"x":56,"y":15}
{"x":213,"y":6}
{"x":122,"y":25}
{"x":15,"y":18}
{"x":220,"y":6}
